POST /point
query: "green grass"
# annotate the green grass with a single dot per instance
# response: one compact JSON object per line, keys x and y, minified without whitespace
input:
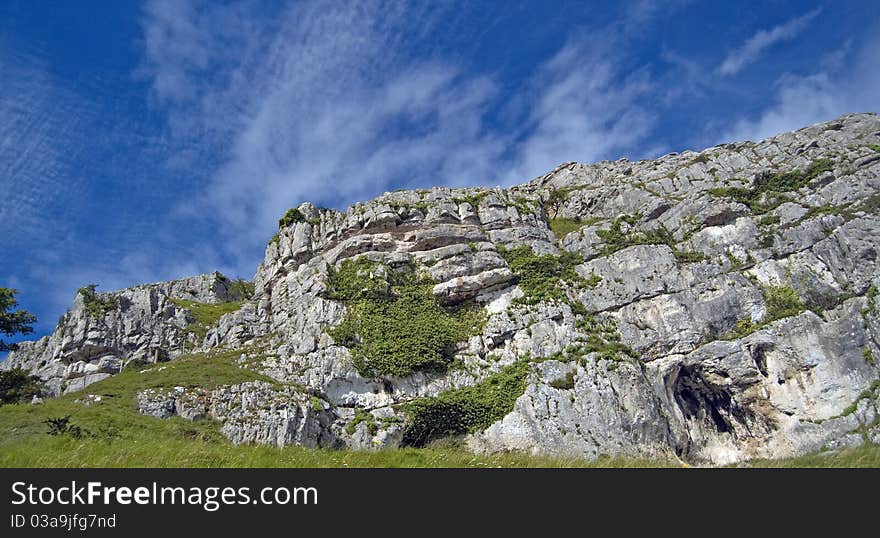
{"x":867,"y":455}
{"x":115,"y":420}
{"x":206,"y":315}
{"x":145,"y":451}
{"x":767,"y":189}
{"x":563,"y":227}
{"x":116,"y":435}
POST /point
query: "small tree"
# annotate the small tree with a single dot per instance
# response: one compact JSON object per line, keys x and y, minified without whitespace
{"x":17,"y":385}
{"x":13,"y":321}
{"x":554,"y":203}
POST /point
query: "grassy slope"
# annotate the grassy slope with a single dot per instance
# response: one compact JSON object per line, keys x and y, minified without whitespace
{"x":117,"y":436}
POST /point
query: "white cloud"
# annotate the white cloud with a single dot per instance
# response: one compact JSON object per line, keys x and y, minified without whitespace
{"x":583,"y":111}
{"x":325,"y":104}
{"x":841,"y":87}
{"x":738,"y":58}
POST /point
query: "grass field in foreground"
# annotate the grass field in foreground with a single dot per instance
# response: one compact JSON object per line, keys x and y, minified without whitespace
{"x":116,"y":435}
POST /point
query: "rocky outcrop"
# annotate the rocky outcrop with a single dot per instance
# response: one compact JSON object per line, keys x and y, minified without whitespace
{"x":251,"y":412}
{"x":103,"y":332}
{"x":712,"y":306}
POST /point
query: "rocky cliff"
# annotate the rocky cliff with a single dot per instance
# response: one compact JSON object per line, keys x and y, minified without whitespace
{"x":712,"y":306}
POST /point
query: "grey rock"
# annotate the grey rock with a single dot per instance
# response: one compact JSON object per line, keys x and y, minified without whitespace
{"x":690,"y":378}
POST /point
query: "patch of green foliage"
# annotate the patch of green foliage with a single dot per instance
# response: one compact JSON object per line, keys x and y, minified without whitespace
{"x":871,"y":296}
{"x":205,"y":315}
{"x":875,"y":147}
{"x":292,"y":216}
{"x":769,"y":220}
{"x":868,"y":355}
{"x":241,"y":288}
{"x":564,"y":383}
{"x":767,"y":189}
{"x":869,"y":393}
{"x":362,"y":415}
{"x":563,"y":227}
{"x":397,"y":206}
{"x":115,"y":418}
{"x":473,"y":199}
{"x":63,"y":426}
{"x":17,"y":385}
{"x":543,"y":277}
{"x":702,"y":158}
{"x":13,"y":322}
{"x":522,"y":204}
{"x":615,"y":239}
{"x":467,"y":409}
{"x":743,"y":328}
{"x":96,"y":306}
{"x":781,"y":302}
{"x":688,"y":257}
{"x":393,"y":323}
{"x":602,"y":338}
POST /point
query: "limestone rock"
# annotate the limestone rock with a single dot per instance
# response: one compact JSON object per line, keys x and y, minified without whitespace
{"x":710,"y":320}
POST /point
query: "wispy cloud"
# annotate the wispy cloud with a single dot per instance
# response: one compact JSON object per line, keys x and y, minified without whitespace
{"x":327,"y":105}
{"x":585,"y":109}
{"x":838,"y":88}
{"x":754,"y":46}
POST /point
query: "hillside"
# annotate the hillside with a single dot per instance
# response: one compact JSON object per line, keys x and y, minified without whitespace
{"x":709,"y":308}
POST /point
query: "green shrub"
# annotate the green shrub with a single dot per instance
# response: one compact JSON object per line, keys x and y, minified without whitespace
{"x":292,"y":216}
{"x":466,"y":409}
{"x":782,"y":302}
{"x":767,"y":189}
{"x":17,"y":385}
{"x":564,"y":383}
{"x":875,"y":147}
{"x":473,"y":199}
{"x":362,"y":415}
{"x":393,"y":323}
{"x":96,"y":306}
{"x":205,"y":315}
{"x":602,"y":338}
{"x":688,"y":257}
{"x":615,"y":239}
{"x":241,"y":288}
{"x":563,"y":227}
{"x":63,"y":426}
{"x":541,"y":276}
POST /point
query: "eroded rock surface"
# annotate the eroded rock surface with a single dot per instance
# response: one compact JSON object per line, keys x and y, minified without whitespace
{"x":723,"y":307}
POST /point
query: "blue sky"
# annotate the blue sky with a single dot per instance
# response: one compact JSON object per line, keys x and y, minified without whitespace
{"x":145,"y":142}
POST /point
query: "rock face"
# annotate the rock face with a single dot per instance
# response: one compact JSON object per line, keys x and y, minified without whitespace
{"x":143,"y":323}
{"x":712,"y":306}
{"x":252,"y":412}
